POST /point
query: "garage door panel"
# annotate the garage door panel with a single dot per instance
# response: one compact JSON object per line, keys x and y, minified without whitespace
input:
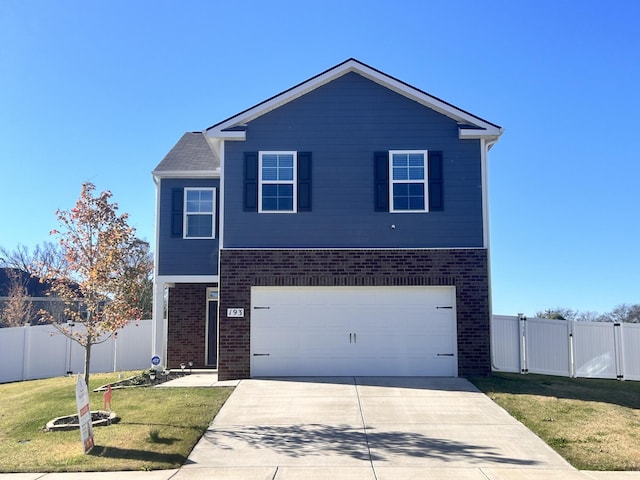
{"x":293,"y":342}
{"x":290,"y":366}
{"x":353,"y":331}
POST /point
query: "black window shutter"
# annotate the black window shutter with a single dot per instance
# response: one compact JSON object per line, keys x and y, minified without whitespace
{"x":381,"y":187}
{"x":176,"y":212}
{"x":304,"y":181}
{"x":436,"y":199}
{"x":250,"y":189}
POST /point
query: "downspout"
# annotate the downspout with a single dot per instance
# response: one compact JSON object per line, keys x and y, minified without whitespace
{"x":485,"y":146}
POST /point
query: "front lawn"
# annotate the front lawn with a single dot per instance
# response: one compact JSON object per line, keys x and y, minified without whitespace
{"x":158,"y":427}
{"x":594,"y":424}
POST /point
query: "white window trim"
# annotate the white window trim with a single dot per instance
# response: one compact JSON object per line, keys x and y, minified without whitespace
{"x":293,"y":182}
{"x":212,"y":213}
{"x":424,"y":181}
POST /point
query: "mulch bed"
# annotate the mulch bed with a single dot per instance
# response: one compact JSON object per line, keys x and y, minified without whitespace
{"x":143,"y":380}
{"x":99,"y":418}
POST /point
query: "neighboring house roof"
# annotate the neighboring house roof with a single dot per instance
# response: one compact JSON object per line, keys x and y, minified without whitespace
{"x":470,"y":126}
{"x":32,"y":284}
{"x":191,"y":156}
{"x":36,"y":287}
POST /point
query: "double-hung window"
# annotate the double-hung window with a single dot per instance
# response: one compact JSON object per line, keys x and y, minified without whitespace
{"x":277,"y":186}
{"x":408,"y":188}
{"x":199,"y":212}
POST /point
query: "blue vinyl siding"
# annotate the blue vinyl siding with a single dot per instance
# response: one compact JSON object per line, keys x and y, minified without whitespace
{"x":179,"y":256}
{"x":343,"y":124}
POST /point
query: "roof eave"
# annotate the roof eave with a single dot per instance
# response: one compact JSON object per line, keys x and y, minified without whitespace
{"x":477,"y":133}
{"x":226,"y":134}
{"x":160,"y":174}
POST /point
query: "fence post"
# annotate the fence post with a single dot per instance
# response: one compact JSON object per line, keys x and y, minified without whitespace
{"x":115,"y":351}
{"x":572,"y":359}
{"x":523,"y":343}
{"x":68,"y":344}
{"x":25,"y":350}
{"x":26,"y":353}
{"x":618,"y":350}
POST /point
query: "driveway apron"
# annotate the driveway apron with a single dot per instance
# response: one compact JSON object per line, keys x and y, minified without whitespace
{"x":368,"y":428}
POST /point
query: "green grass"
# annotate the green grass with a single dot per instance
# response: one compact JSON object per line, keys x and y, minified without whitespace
{"x":158,"y":427}
{"x":594,"y":424}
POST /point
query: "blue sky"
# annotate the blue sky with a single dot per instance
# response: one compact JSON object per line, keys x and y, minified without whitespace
{"x":100,"y":91}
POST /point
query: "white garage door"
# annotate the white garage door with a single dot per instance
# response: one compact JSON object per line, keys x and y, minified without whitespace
{"x":336,"y":331}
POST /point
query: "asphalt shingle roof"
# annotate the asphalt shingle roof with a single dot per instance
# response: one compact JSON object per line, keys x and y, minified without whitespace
{"x":192,"y":153}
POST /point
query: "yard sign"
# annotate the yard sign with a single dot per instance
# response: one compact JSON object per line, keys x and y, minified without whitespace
{"x":84,"y":415}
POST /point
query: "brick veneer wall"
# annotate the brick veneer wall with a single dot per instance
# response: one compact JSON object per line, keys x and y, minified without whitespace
{"x":187,"y":324}
{"x":466,"y":269}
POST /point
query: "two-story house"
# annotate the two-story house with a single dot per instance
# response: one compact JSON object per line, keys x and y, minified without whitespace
{"x":337,"y":228}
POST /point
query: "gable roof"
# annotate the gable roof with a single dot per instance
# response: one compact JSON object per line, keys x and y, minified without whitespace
{"x":470,"y":126}
{"x":191,"y":156}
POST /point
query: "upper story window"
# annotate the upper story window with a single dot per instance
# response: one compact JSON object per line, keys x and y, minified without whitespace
{"x":199,"y":212}
{"x":408,"y":181}
{"x":408,"y":188}
{"x":277,"y":185}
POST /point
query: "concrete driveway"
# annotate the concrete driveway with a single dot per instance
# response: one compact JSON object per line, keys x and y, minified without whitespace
{"x":369,"y":428}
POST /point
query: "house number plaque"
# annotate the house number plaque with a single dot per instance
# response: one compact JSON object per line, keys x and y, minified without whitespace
{"x":235,"y":312}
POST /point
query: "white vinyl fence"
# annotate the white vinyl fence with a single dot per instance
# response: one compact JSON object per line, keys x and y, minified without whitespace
{"x":566,"y":348}
{"x":27,"y":353}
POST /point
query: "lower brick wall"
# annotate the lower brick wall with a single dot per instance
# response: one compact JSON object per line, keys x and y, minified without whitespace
{"x":187,"y":324}
{"x":467,"y":270}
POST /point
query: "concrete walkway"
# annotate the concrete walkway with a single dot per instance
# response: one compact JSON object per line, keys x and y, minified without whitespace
{"x":199,"y":378}
{"x":359,"y":428}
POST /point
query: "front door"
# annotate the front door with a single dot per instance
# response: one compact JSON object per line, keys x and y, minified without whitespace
{"x":212,"y":334}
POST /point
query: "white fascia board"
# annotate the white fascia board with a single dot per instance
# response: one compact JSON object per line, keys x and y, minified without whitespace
{"x":160,"y":279}
{"x":476,"y":133}
{"x":240,"y":136}
{"x":186,"y":174}
{"x":485,"y":128}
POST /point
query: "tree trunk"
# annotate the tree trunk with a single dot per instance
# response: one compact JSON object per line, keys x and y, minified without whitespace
{"x":87,"y":359}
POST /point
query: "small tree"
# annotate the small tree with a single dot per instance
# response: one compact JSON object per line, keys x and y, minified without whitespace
{"x":96,"y":279}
